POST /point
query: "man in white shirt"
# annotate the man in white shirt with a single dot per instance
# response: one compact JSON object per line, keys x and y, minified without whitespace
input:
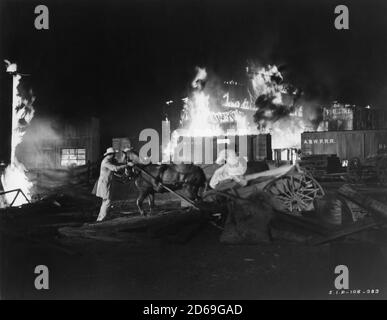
{"x":105,"y":181}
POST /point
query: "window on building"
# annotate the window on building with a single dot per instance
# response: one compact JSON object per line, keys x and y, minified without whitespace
{"x":73,"y":157}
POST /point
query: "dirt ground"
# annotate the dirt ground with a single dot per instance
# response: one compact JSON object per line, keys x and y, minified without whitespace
{"x":145,"y":267}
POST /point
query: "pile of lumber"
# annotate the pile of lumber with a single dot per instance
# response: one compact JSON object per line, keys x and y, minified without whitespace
{"x":321,"y":164}
{"x":372,"y":213}
{"x":368,"y":173}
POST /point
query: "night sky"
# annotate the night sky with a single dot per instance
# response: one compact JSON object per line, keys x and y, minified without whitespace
{"x":121,"y":60}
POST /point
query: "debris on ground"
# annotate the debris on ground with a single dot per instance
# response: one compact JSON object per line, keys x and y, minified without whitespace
{"x":282,"y":204}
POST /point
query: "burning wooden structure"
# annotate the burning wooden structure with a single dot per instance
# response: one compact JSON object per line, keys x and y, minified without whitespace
{"x":13,"y":177}
{"x":60,"y":144}
{"x":39,"y":145}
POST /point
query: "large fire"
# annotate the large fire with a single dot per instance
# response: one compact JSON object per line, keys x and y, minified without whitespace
{"x":14,"y":176}
{"x":269,"y":108}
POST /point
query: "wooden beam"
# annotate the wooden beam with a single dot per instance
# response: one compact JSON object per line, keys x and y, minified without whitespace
{"x":173,"y":217}
{"x":351,"y":229}
{"x":375,"y":207}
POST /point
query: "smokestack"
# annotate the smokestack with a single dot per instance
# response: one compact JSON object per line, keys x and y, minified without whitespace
{"x":15,"y":82}
{"x":5,"y":116}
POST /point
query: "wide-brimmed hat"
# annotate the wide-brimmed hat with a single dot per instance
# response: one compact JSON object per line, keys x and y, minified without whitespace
{"x":109,"y":150}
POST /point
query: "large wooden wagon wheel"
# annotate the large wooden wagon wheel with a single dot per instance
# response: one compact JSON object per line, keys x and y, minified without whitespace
{"x":295,"y":192}
{"x":381,"y":169}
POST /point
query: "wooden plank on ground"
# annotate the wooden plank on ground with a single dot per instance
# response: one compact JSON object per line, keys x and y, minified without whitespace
{"x":375,"y":207}
{"x":136,"y":223}
{"x":349,"y":230}
{"x":318,"y":227}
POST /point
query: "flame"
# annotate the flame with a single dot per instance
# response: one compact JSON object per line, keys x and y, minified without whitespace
{"x":198,"y":113}
{"x":14,"y":176}
{"x":200,"y":78}
{"x":201,"y":119}
{"x":283,"y":120}
{"x":243,"y":126}
{"x":286,"y":133}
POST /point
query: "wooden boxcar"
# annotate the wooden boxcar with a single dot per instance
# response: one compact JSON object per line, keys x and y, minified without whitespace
{"x":345,"y":144}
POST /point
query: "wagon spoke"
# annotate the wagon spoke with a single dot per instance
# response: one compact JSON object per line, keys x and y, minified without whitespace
{"x":305,"y":196}
{"x":295,"y":192}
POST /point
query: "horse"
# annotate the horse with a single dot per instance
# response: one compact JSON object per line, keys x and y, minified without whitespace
{"x":187,"y":177}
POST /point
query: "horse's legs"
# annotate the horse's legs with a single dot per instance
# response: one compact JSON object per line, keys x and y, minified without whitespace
{"x":195,"y":193}
{"x":140,"y":200}
{"x":151,"y":201}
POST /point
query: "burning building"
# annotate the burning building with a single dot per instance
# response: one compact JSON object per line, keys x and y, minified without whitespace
{"x":348,"y":131}
{"x":38,"y":144}
{"x":261,"y":106}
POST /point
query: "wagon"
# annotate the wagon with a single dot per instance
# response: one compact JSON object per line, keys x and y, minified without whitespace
{"x":291,"y":189}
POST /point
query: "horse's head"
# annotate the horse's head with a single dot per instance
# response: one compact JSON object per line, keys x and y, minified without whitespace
{"x":132,"y":155}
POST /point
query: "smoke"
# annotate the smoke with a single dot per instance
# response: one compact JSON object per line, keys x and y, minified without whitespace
{"x":41,"y":137}
{"x":283,"y":109}
{"x":278,"y":102}
{"x":274,"y":98}
{"x":200,"y":79}
{"x":24,"y":111}
{"x":265,"y":81}
{"x":312,"y":112}
{"x":268,"y":111}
